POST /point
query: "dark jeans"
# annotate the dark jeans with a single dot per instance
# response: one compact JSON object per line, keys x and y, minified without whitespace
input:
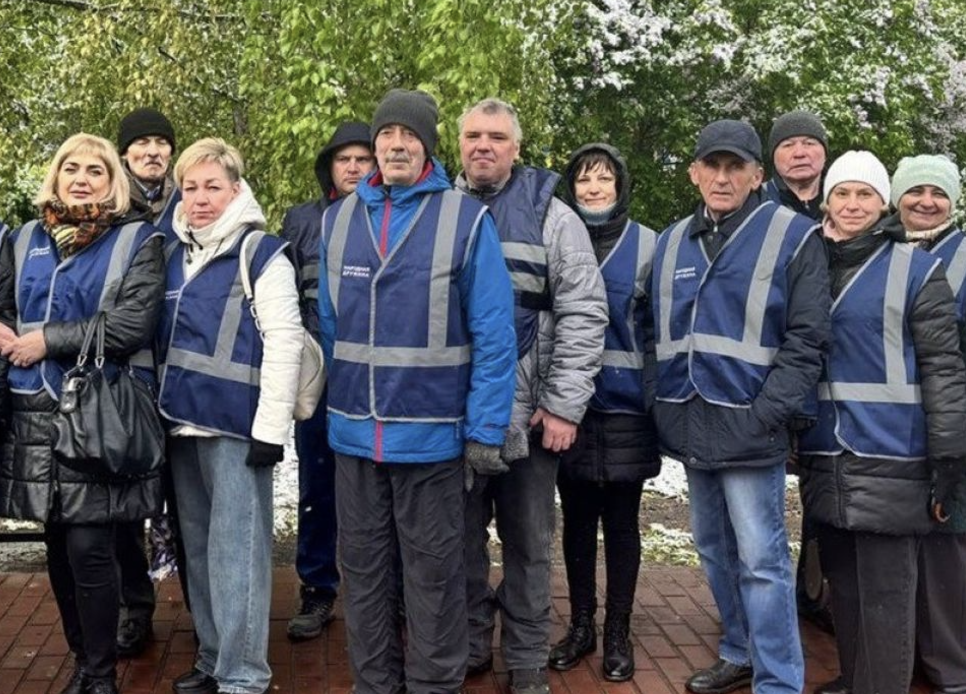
{"x":419,"y":509}
{"x":522,"y":502}
{"x":315,"y":557}
{"x":80,"y":562}
{"x":617,"y":505}
{"x":941,"y":609}
{"x":873,"y":579}
{"x":137,"y":588}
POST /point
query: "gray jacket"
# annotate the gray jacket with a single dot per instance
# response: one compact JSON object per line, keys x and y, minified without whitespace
{"x":557,"y":373}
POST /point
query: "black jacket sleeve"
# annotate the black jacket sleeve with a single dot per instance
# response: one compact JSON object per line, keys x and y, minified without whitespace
{"x":302,"y":228}
{"x":8,"y":316}
{"x":798,"y":364}
{"x":131,"y":324}
{"x":942,"y":378}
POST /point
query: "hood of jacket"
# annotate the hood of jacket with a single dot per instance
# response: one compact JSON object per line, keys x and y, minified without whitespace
{"x":623,"y":179}
{"x":242,"y":213}
{"x":373,"y":192}
{"x":348,"y":133}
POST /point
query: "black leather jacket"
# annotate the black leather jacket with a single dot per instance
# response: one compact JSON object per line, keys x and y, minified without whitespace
{"x":32,"y":485}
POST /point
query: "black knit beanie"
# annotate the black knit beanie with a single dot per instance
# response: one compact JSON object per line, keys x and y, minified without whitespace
{"x":414,"y":109}
{"x":796,"y":124}
{"x":141,"y":123}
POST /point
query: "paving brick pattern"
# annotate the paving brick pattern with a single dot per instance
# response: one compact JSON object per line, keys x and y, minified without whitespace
{"x":675,"y":631}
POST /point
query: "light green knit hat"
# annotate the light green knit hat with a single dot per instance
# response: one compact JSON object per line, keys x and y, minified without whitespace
{"x":926,"y":170}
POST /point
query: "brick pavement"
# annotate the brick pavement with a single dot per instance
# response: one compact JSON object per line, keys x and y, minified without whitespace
{"x":674,"y":628}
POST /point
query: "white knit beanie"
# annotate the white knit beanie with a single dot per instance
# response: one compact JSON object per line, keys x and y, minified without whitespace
{"x":858,"y":166}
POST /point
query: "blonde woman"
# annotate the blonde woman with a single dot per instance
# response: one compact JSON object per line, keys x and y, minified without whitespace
{"x":227,"y":391}
{"x":58,"y":272}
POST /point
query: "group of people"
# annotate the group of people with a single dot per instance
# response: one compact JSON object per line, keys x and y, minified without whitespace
{"x":488,"y":341}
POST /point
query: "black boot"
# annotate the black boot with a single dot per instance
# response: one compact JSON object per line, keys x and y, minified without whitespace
{"x":580,"y":640}
{"x":78,"y":682}
{"x":103,"y":686}
{"x":618,"y":664}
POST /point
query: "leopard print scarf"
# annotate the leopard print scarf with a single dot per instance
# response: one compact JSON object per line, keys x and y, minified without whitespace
{"x":73,"y":227}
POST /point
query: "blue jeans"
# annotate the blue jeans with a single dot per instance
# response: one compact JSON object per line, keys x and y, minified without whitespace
{"x":315,"y":556}
{"x":225,"y":514}
{"x":738,"y":523}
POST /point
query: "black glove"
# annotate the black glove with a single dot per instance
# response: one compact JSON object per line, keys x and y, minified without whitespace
{"x":264,"y":454}
{"x":947,"y":475}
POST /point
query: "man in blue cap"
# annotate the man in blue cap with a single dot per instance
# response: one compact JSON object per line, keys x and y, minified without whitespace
{"x":741,"y":318}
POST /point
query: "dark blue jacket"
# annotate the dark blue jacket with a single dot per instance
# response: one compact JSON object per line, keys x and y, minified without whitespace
{"x":708,"y":436}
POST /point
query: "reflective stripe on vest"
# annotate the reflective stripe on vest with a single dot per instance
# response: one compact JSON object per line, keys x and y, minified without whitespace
{"x":120,"y":245}
{"x":437,"y":241}
{"x":952,"y":251}
{"x":309,"y":279}
{"x":695,"y":353}
{"x":882,"y":415}
{"x":206,"y":363}
{"x":619,"y":386}
{"x":519,"y":211}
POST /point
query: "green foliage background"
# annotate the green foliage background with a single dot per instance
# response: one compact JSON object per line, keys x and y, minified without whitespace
{"x":275,"y":77}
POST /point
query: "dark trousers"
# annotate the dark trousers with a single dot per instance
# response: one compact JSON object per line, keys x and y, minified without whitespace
{"x":315,"y":556}
{"x":419,"y":509}
{"x":616,"y":505}
{"x":137,"y":588}
{"x":521,"y":500}
{"x":873,"y":579}
{"x":941,"y":609}
{"x":171,"y":505}
{"x":83,"y":575}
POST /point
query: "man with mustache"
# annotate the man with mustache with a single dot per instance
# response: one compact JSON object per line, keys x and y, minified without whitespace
{"x":560,"y":317}
{"x":416,"y":316}
{"x":741,"y":320}
{"x":146,"y":144}
{"x":344,"y":161}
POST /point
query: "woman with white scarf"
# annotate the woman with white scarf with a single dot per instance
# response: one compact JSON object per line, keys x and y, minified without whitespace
{"x":228,"y":384}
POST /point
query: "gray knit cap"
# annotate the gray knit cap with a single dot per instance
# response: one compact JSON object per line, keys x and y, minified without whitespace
{"x":926,"y":170}
{"x":414,"y":109}
{"x":796,"y":124}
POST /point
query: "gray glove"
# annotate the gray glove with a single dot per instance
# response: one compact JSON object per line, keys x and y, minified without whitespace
{"x":481,"y":459}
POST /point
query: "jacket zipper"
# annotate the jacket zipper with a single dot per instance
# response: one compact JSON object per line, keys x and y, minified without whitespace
{"x":383,"y":251}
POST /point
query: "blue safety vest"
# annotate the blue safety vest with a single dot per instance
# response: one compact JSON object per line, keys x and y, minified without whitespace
{"x":402,"y":346}
{"x":869,"y":397}
{"x":208,"y":344}
{"x":619,"y":386}
{"x":952,"y":251}
{"x":519,"y":211}
{"x":49,"y":290}
{"x":719,"y":325}
{"x":165,"y":220}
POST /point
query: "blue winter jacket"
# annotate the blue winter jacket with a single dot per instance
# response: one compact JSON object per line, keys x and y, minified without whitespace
{"x":487,"y":300}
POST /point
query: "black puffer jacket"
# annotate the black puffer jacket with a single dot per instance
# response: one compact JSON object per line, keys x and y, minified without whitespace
{"x":32,"y":485}
{"x":610,"y":447}
{"x":880,"y":494}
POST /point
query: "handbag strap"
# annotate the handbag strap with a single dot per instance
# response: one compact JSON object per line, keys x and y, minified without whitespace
{"x":94,"y":329}
{"x":244,"y":268}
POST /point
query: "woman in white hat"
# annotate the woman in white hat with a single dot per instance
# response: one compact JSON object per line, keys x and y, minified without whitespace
{"x":891,"y":427}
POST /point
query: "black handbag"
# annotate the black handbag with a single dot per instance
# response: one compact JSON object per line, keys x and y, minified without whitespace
{"x":106,"y":423}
